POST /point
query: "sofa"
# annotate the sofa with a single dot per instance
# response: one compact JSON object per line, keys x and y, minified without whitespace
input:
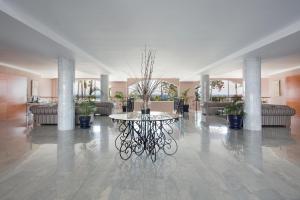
{"x":213,"y":108}
{"x":277,"y":115}
{"x":272,"y":115}
{"x":104,"y":108}
{"x":47,"y":114}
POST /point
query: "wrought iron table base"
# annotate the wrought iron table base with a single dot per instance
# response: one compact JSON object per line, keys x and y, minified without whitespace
{"x":145,"y":136}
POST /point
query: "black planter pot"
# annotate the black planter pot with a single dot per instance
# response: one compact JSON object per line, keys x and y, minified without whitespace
{"x":186,"y":108}
{"x":145,"y":111}
{"x":84,"y":121}
{"x":124,"y":108}
{"x":235,"y":121}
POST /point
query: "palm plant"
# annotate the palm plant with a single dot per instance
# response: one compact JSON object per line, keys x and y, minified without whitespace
{"x":185,"y":97}
{"x":120,"y":97}
{"x":235,"y":108}
{"x":86,"y":107}
{"x":235,"y":112}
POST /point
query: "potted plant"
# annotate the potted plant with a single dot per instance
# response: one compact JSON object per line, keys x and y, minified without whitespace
{"x":147,"y":85}
{"x":120,"y":97}
{"x":86,"y":108}
{"x":235,"y":112}
{"x":185,"y":98}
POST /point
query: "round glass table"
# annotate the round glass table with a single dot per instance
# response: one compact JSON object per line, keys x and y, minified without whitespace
{"x":145,"y":133}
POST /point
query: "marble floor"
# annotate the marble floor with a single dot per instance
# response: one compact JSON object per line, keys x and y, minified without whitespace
{"x":212,"y":162}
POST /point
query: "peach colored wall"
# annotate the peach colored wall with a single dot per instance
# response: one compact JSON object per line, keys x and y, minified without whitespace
{"x":45,"y":87}
{"x":29,"y":76}
{"x":163,"y":106}
{"x":13,"y":97}
{"x":265,"y":90}
{"x":166,"y":106}
{"x":184,"y":85}
{"x":54,"y":88}
{"x":116,"y":86}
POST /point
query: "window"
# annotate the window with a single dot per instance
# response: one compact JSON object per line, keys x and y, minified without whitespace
{"x":221,"y":90}
{"x":87,"y":87}
{"x":164,"y":92}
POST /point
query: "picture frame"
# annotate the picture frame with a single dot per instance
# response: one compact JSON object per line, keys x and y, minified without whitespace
{"x":34,"y":88}
{"x":277,"y":88}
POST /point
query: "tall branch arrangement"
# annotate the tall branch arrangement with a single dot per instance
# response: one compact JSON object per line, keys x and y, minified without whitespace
{"x":147,"y":86}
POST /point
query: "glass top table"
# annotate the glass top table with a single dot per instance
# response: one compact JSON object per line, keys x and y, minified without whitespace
{"x":145,"y":134}
{"x":138,"y":116}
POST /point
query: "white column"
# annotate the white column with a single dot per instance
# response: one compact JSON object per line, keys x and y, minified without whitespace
{"x":66,"y":108}
{"x":104,"y":87}
{"x":252,"y":93}
{"x":204,"y":88}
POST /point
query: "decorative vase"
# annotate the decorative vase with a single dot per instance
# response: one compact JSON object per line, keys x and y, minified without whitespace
{"x":186,"y":108}
{"x":145,"y":111}
{"x":124,"y":108}
{"x":84,"y":121}
{"x":235,"y":121}
{"x":145,"y":108}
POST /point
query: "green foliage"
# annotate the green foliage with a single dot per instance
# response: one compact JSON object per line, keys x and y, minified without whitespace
{"x":86,"y":89}
{"x":219,"y":98}
{"x":156,"y":98}
{"x":184,"y":96}
{"x":235,"y":108}
{"x":86,"y":107}
{"x":120,"y":96}
{"x":217,"y":84}
{"x":170,"y":90}
{"x":196,"y":92}
{"x":134,"y":95}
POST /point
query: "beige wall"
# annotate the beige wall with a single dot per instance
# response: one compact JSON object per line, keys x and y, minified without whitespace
{"x":45,"y":85}
{"x":16,"y":72}
{"x":265,"y":88}
{"x":163,"y":106}
{"x":54,"y":88}
{"x":184,"y":85}
{"x":166,"y":106}
{"x":118,"y":86}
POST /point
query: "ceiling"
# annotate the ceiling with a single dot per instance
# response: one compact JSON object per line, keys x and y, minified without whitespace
{"x":189,"y":37}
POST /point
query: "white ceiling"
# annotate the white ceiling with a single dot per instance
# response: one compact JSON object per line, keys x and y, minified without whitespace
{"x":190,"y":37}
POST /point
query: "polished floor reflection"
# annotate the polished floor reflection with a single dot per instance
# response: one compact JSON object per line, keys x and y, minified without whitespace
{"x":212,"y":162}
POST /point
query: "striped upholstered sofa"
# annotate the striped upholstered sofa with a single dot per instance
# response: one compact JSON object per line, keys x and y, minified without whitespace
{"x":213,"y":108}
{"x":277,"y":115}
{"x":272,"y":115}
{"x":104,"y":108}
{"x":47,"y":114}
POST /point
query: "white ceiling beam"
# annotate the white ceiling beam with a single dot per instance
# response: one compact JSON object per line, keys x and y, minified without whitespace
{"x":36,"y":25}
{"x":19,"y":68}
{"x":280,"y":34}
